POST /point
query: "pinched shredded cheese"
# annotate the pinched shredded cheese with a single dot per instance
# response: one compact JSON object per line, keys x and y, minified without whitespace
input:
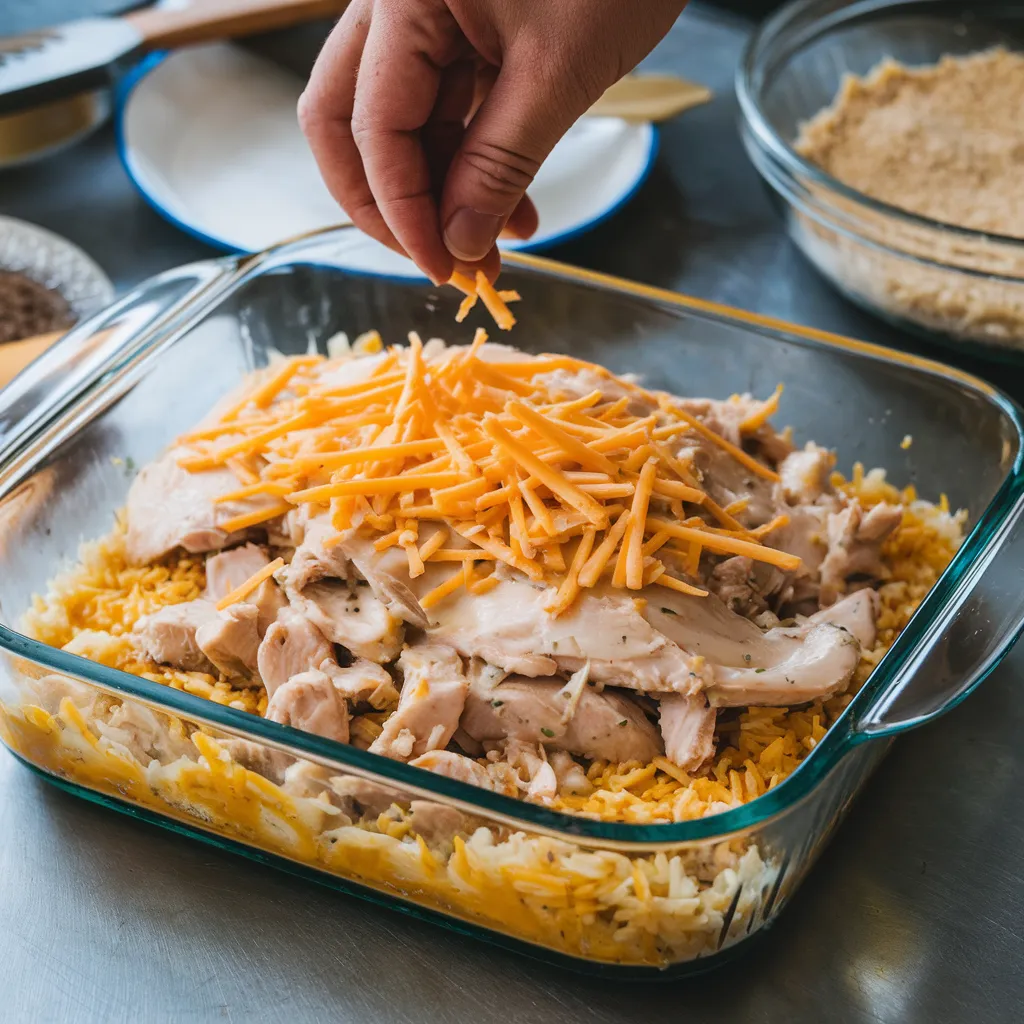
{"x":574,"y":492}
{"x":482,"y":289}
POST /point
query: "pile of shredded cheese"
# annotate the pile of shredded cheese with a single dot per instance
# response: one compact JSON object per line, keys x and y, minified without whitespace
{"x":568,"y":491}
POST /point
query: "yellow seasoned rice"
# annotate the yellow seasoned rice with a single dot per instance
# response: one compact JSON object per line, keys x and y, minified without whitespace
{"x":591,"y":902}
{"x":91,"y":609}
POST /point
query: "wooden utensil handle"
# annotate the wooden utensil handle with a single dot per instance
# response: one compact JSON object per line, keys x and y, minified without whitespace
{"x":645,"y":97}
{"x":16,"y":355}
{"x":208,"y":20}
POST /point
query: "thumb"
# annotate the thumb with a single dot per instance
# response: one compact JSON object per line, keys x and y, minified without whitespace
{"x":506,"y":142}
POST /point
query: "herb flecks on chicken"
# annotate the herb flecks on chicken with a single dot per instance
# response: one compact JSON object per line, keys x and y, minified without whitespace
{"x":475,"y":559}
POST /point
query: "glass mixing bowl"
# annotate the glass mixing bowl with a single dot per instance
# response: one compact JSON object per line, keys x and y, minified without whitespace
{"x":947,"y":282}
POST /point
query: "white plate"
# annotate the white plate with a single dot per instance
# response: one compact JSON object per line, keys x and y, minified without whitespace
{"x":210,"y":138}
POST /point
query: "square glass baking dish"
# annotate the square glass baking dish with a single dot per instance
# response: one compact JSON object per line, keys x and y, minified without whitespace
{"x":650,"y":900}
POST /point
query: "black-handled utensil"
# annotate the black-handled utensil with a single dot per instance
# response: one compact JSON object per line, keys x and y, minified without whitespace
{"x":53,"y":64}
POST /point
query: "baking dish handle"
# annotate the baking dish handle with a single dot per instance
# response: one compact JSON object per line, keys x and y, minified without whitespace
{"x":101,"y":344}
{"x":981,"y":617}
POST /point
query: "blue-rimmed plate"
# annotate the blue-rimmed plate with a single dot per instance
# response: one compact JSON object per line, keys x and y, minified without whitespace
{"x":209,"y":136}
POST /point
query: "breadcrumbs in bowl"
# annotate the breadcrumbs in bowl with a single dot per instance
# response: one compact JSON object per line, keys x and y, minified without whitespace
{"x":939,"y":142}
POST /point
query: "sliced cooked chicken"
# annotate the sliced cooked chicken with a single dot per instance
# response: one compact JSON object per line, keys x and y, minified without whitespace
{"x":817,"y":663}
{"x":569,"y":773}
{"x":269,"y":600}
{"x":541,"y":781}
{"x":386,"y":574}
{"x":169,"y":507}
{"x":724,"y":478}
{"x":706,"y":627}
{"x":805,"y":474}
{"x":231,"y":640}
{"x":168,"y":636}
{"x":855,"y":540}
{"x":857,"y":614}
{"x":879,"y":522}
{"x":745,"y":663}
{"x":292,"y":646}
{"x":743,"y":584}
{"x":321,"y":580}
{"x":230,"y":569}
{"x":804,"y":536}
{"x":362,"y":682}
{"x":543,"y":784}
{"x":454,"y":766}
{"x":310,"y":702}
{"x":688,"y":729}
{"x":350,"y":616}
{"x":723,"y":417}
{"x":727,"y":481}
{"x":510,"y":627}
{"x":605,"y":725}
{"x":690,"y":655}
{"x":317,"y":556}
{"x":769,"y":444}
{"x":433,"y":696}
{"x":321,"y":554}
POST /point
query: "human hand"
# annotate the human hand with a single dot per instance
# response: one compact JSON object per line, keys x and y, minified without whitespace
{"x":430,"y":118}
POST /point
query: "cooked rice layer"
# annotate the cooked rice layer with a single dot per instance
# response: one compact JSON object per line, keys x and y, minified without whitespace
{"x":650,"y":909}
{"x":597,"y":904}
{"x":92,"y":609}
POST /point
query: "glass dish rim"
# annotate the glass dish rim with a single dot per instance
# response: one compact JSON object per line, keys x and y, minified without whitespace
{"x":519,"y":814}
{"x":761,"y":46}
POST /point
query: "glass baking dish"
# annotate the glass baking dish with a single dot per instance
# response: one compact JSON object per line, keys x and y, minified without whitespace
{"x":632,"y":899}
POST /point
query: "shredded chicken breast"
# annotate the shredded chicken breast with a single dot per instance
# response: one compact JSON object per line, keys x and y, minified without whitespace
{"x":576,"y":570}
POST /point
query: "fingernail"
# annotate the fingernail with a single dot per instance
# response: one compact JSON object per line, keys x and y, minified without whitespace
{"x":470,"y":234}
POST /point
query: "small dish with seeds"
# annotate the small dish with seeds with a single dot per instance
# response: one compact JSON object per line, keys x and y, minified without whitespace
{"x":46,"y":283}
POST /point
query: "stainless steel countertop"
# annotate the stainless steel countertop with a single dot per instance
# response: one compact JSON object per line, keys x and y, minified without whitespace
{"x":913,"y":914}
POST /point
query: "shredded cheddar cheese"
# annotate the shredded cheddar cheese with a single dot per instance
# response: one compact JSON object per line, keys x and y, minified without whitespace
{"x":572,"y":491}
{"x":758,"y":419}
{"x":256,"y":518}
{"x":496,"y":302}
